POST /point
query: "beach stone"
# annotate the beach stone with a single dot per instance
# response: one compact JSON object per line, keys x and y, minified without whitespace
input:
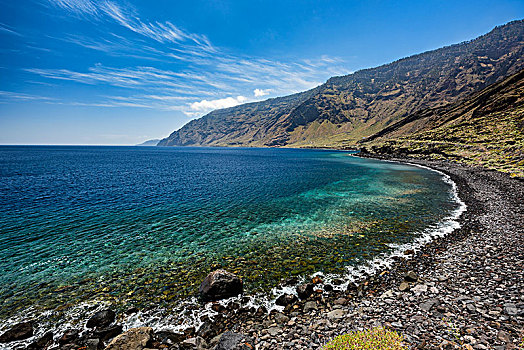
{"x":234,"y":341}
{"x":42,"y":343}
{"x":280,"y":318}
{"x":93,"y":344}
{"x":105,"y":334}
{"x":131,"y":310}
{"x":101,"y":319}
{"x":411,"y":276}
{"x":510,"y":309}
{"x":196,"y":343}
{"x":419,"y":289}
{"x":286,"y":299}
{"x":336,"y":314}
{"x":404,"y":286}
{"x":167,"y":337}
{"x":426,"y":306}
{"x":19,"y":331}
{"x":207,"y":330}
{"x":69,"y":337}
{"x":274,"y":331}
{"x":133,"y":339}
{"x":304,"y":291}
{"x":310,"y":306}
{"x":316,"y":280}
{"x":387,"y":294}
{"x":340,"y":301}
{"x":220,"y":284}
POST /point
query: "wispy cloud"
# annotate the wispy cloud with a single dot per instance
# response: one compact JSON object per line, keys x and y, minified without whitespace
{"x":195,"y":76}
{"x":10,"y":95}
{"x":4,"y":28}
{"x":126,"y":16}
{"x":78,"y":6}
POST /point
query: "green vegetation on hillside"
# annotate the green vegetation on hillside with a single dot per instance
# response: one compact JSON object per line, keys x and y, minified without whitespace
{"x":486,"y":129}
{"x":346,"y":109}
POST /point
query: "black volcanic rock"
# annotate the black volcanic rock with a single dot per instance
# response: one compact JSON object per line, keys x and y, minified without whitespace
{"x":69,"y":337}
{"x":101,"y":319}
{"x":286,"y":299}
{"x":19,"y":331}
{"x":220,"y":284}
{"x":304,"y":291}
{"x":234,"y":341}
{"x":42,"y":343}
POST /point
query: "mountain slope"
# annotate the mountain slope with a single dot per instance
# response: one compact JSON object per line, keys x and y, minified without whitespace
{"x":345,"y":109}
{"x":152,"y":142}
{"x":487,"y":128}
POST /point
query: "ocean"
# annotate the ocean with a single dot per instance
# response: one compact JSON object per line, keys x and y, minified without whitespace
{"x":142,"y":226}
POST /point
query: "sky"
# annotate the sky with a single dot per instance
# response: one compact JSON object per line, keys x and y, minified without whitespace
{"x":115,"y":72}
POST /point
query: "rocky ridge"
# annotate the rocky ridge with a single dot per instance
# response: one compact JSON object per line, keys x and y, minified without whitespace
{"x":345,"y":109}
{"x":486,"y":128}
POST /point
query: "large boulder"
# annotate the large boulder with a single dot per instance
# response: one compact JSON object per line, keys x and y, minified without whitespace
{"x":220,"y":284}
{"x":304,"y":291}
{"x":101,"y":319}
{"x":133,"y":339}
{"x":286,"y":299}
{"x":104,"y":334}
{"x":19,"y":331}
{"x":234,"y":341}
{"x":42,"y":343}
{"x":70,"y":336}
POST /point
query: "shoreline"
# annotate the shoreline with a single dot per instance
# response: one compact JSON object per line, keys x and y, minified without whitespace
{"x":330,"y":313}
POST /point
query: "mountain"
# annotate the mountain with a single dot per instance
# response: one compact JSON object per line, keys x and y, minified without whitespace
{"x":486,"y":128}
{"x":345,"y":109}
{"x":153,"y":142}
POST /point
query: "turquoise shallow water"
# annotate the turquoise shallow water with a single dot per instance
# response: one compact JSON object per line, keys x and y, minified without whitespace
{"x":142,"y":226}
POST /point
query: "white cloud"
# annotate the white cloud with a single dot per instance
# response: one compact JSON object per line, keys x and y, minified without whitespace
{"x":6,"y":29}
{"x":197,"y":71}
{"x":260,"y":92}
{"x":127,"y":17}
{"x":22,"y":96}
{"x":77,"y":6}
{"x":206,"y":106}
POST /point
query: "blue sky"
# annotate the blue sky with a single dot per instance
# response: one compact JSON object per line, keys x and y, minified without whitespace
{"x":121,"y":72}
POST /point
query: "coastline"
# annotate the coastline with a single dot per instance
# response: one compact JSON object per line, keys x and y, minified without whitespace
{"x":375,"y":300}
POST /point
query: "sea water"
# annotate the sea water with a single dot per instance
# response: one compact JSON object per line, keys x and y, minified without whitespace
{"x":142,"y":226}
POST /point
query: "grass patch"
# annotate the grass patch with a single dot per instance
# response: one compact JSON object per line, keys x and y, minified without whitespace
{"x":375,"y":338}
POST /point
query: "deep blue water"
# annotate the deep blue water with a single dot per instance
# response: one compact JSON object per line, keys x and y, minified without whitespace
{"x":146,"y":224}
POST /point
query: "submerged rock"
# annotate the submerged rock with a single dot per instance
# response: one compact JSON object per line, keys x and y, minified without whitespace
{"x":19,"y":331}
{"x":234,"y":341}
{"x":101,"y":319}
{"x":220,"y":284}
{"x":133,"y":339}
